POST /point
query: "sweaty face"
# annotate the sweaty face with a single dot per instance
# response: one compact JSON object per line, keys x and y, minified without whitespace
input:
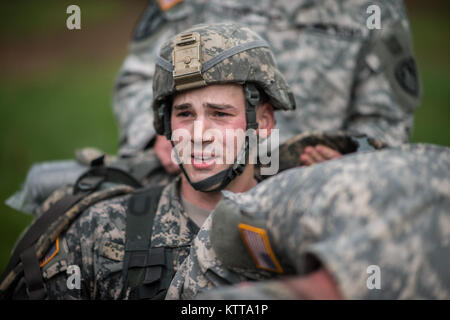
{"x":202,"y":118}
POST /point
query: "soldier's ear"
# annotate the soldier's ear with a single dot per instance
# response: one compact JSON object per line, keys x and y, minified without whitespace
{"x":265,"y":118}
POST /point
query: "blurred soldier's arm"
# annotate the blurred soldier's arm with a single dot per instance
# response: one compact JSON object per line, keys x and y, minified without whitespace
{"x":317,"y":154}
{"x":133,"y":91}
{"x":387,"y":88}
{"x":367,"y":226}
{"x":93,"y":246}
{"x":318,"y":285}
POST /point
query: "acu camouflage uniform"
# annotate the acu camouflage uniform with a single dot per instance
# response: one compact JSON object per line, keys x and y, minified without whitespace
{"x":388,"y":208}
{"x":95,"y":243}
{"x":343,"y":75}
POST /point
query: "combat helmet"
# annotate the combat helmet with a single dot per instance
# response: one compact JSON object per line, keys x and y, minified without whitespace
{"x":217,"y":54}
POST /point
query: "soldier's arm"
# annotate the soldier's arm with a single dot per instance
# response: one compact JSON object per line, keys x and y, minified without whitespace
{"x":318,"y":285}
{"x":133,"y":88}
{"x":387,"y":87}
{"x":317,"y":154}
{"x":92,"y":248}
{"x":132,"y":101}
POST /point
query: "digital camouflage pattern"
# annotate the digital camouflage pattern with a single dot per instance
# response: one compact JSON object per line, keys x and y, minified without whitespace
{"x":388,"y":208}
{"x":45,"y":245}
{"x":343,"y":75}
{"x":255,"y":64}
{"x":95,"y":243}
{"x":262,"y":290}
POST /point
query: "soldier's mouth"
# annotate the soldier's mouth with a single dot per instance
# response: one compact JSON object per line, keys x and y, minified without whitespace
{"x":203,"y":156}
{"x":203,"y":160}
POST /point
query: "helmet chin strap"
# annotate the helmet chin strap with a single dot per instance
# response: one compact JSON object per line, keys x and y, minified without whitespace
{"x":221,"y":179}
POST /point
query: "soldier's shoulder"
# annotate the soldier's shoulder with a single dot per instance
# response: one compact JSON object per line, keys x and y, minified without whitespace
{"x":103,"y":221}
{"x":106,"y":214}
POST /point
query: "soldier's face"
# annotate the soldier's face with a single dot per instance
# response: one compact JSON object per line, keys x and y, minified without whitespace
{"x":201,"y":120}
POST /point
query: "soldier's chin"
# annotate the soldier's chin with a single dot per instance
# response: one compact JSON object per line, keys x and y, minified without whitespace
{"x":200,"y":175}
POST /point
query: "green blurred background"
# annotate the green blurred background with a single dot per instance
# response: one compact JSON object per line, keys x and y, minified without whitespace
{"x":56,"y":84}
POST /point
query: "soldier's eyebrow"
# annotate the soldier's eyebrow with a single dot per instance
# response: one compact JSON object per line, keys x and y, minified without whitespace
{"x":219,"y":106}
{"x":182,"y":106}
{"x":215,"y":106}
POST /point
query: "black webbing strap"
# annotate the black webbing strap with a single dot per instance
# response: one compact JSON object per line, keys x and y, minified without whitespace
{"x":142,"y":265}
{"x":153,"y":272}
{"x":252,"y":98}
{"x":147,"y":259}
{"x":158,"y":283}
{"x":95,"y":176}
{"x":39,"y":226}
{"x":32,"y":273}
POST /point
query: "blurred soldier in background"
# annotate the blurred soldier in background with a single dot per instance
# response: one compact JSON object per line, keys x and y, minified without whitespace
{"x":344,"y":76}
{"x":372,"y":225}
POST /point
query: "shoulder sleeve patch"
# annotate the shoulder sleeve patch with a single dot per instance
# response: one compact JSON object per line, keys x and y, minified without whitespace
{"x":113,"y":251}
{"x":150,"y":21}
{"x":166,"y":5}
{"x":407,"y":76}
{"x":51,"y":253}
{"x":257,"y":243}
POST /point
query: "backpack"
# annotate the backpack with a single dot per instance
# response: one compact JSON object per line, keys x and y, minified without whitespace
{"x":97,"y":184}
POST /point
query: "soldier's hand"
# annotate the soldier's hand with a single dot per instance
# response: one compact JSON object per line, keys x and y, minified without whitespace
{"x":163,"y":148}
{"x":317,"y":154}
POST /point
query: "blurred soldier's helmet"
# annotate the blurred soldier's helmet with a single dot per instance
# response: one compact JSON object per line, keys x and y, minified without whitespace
{"x":218,"y":54}
{"x":215,"y":54}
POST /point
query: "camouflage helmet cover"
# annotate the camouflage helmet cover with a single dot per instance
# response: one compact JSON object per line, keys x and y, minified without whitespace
{"x":225,"y":53}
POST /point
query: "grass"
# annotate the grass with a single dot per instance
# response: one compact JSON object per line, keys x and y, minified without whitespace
{"x":47,"y":118}
{"x":432,"y":48}
{"x":23,"y":19}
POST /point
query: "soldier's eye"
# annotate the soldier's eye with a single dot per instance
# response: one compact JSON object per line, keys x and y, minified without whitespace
{"x":184,"y":114}
{"x":221,"y":114}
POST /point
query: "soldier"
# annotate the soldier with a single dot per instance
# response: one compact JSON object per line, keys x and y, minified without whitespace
{"x":218,"y":77}
{"x":345,"y":75}
{"x":372,"y":225}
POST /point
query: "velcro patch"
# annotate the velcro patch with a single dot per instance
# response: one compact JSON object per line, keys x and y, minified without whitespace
{"x":113,"y":251}
{"x":407,"y":76}
{"x":166,"y":5}
{"x":51,"y":253}
{"x":257,"y":243}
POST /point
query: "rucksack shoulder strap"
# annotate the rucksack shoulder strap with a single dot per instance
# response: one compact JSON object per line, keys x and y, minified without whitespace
{"x":142,"y":265}
{"x":95,"y":176}
{"x":38,"y":227}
